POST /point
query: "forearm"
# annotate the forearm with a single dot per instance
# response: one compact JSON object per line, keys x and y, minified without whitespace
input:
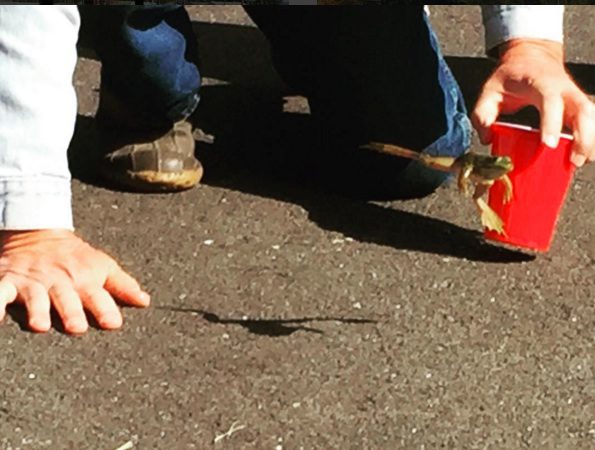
{"x":37,"y":115}
{"x":503,"y":23}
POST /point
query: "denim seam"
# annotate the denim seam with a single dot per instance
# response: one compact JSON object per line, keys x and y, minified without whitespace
{"x":458,"y":124}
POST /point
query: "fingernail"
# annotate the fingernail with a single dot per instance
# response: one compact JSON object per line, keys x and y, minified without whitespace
{"x":111,"y":321}
{"x":76,"y":326}
{"x":146,"y":298}
{"x":578,"y":160}
{"x":40,"y":324}
{"x":551,"y":141}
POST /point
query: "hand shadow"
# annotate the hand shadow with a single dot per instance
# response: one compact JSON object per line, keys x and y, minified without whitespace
{"x":269,"y":327}
{"x":18,"y":313}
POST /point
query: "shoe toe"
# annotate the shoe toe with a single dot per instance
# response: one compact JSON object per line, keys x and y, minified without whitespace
{"x":163,"y":162}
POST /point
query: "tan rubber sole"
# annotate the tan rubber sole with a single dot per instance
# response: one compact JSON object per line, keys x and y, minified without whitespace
{"x":150,"y":181}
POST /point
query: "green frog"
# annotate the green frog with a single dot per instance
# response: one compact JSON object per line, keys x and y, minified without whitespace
{"x":481,"y":171}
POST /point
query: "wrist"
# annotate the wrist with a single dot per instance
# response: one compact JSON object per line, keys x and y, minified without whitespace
{"x":528,"y":47}
{"x":7,"y":236}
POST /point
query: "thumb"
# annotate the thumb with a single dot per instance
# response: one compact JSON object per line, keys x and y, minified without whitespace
{"x":125,"y":288}
{"x":485,"y":113}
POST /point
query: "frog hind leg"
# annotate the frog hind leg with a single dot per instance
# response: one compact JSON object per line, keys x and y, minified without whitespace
{"x":463,"y":179}
{"x":508,"y":192}
{"x":489,"y":218}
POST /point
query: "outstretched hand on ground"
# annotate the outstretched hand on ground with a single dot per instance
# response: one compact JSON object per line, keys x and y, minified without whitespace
{"x":532,"y":72}
{"x":45,"y":268}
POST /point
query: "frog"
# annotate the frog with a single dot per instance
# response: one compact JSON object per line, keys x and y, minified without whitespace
{"x":471,"y":169}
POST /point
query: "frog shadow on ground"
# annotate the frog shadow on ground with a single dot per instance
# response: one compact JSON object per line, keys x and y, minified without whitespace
{"x":269,"y":327}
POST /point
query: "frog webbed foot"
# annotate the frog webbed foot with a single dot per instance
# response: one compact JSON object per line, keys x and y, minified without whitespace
{"x":489,"y":218}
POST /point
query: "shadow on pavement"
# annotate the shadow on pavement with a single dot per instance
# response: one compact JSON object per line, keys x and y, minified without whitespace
{"x":269,"y":327}
{"x":254,"y":167}
{"x":260,"y":149}
{"x":18,"y":313}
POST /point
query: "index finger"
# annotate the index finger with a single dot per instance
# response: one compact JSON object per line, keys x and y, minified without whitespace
{"x":485,"y":113}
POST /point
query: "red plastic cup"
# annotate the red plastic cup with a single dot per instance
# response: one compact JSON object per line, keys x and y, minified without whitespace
{"x":541,"y":178}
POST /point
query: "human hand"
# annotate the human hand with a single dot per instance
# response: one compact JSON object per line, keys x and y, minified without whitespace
{"x":531,"y":72}
{"x":41,"y":268}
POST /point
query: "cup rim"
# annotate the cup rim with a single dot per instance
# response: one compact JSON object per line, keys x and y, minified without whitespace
{"x":529,"y":129}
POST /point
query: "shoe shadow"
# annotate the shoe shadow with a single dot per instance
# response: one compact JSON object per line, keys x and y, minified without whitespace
{"x":270,"y":327}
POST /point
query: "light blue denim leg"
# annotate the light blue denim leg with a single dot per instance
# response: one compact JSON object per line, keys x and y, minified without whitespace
{"x":457,"y":138}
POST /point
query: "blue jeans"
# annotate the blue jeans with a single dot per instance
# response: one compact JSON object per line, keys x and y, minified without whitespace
{"x":370,"y":74}
{"x":149,"y":58}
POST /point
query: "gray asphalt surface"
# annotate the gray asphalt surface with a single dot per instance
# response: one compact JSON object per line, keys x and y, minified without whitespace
{"x":297,"y":319}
